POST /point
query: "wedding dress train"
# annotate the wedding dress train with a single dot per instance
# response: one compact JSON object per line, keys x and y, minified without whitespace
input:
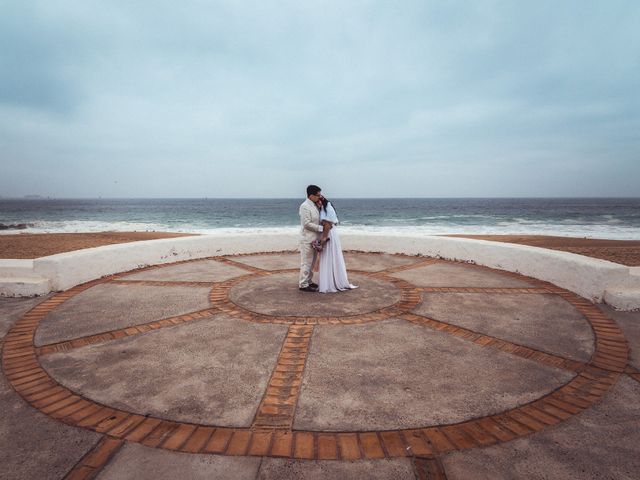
{"x":332,"y":272}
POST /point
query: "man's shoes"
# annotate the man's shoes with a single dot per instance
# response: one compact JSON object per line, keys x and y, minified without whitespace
{"x":314,"y":285}
{"x":308,"y":288}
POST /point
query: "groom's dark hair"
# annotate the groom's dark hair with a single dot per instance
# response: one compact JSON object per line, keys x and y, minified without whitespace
{"x":313,"y":190}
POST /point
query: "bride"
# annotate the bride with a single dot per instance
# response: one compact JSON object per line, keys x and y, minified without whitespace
{"x":332,"y":269}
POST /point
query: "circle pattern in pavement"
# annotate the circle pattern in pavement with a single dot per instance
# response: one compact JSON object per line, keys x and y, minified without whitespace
{"x":273,"y":298}
{"x":271,"y":433}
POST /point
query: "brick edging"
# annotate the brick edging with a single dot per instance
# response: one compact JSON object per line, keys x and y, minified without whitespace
{"x":633,"y":372}
{"x":125,"y":332}
{"x":538,"y":291}
{"x":95,"y":460}
{"x":26,"y":376}
{"x":489,"y":341}
{"x":278,"y":405}
{"x":219,"y":297}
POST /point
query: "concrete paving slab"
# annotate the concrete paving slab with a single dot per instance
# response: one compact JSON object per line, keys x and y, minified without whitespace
{"x":278,"y":294}
{"x":377,"y":262}
{"x":201,"y":271}
{"x":458,"y":275}
{"x":543,"y":322}
{"x":110,"y":306}
{"x":137,"y":462}
{"x":395,"y":374}
{"x":279,"y":261}
{"x":33,"y":446}
{"x":355,"y":261}
{"x":212,"y":371}
{"x":277,"y":468}
{"x":11,"y":309}
{"x":600,"y":443}
{"x":629,"y":323}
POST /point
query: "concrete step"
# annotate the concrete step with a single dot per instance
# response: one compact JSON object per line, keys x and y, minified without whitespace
{"x":17,"y":268}
{"x":623,"y":298}
{"x":24,"y":286}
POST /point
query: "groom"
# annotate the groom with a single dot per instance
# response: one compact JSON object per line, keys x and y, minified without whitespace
{"x":310,"y":228}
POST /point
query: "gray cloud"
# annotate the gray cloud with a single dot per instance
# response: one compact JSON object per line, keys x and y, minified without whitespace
{"x":202,"y":98}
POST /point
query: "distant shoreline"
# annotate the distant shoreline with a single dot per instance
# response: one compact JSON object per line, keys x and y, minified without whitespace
{"x":35,"y":245}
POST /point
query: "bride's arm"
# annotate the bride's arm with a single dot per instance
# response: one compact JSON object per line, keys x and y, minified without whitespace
{"x":326,"y":227}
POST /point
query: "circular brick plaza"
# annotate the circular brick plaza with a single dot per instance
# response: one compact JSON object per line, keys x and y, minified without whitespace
{"x":224,"y":356}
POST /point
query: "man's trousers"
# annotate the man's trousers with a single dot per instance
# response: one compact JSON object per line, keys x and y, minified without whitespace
{"x":307,"y":259}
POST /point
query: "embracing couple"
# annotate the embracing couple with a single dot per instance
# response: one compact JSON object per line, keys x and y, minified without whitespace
{"x":318,"y":236}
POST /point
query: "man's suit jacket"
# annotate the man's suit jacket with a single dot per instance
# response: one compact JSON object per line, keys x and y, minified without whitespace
{"x":309,"y":222}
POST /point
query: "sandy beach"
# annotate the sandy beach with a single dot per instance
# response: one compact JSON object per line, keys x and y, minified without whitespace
{"x":626,"y":252}
{"x":34,"y":245}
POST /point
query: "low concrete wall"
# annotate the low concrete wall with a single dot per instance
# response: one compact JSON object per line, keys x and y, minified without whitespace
{"x":597,"y":280}
{"x":588,"y":277}
{"x":68,"y":269}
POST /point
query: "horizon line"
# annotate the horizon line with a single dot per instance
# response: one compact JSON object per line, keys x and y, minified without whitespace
{"x":48,"y":197}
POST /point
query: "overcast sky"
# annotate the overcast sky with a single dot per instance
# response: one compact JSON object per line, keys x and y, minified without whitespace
{"x":365,"y":98}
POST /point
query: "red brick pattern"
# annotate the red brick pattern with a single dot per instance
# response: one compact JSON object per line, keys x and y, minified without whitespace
{"x":95,"y":460}
{"x":125,"y":332}
{"x":229,"y":261}
{"x":281,"y":396}
{"x":226,"y":260}
{"x":482,"y":290}
{"x":611,"y":346}
{"x":633,"y":373}
{"x":410,"y":266}
{"x":162,"y":283}
{"x":220,"y":299}
{"x":271,"y":433}
{"x":428,"y":469}
{"x":496,"y":343}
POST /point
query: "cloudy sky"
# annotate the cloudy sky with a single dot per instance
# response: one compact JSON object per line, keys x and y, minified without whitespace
{"x":235,"y":98}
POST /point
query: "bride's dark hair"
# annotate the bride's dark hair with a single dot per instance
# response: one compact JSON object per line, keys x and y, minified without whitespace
{"x":325,"y":202}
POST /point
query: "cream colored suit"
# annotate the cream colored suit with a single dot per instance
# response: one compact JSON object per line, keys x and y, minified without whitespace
{"x":309,"y":229}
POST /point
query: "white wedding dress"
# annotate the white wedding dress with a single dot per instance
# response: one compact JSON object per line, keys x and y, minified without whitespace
{"x":332,"y":271}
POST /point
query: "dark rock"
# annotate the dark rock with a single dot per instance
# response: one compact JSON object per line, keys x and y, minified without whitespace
{"x":16,"y":226}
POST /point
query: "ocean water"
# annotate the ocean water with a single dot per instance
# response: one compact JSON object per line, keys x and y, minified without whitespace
{"x":616,"y":218}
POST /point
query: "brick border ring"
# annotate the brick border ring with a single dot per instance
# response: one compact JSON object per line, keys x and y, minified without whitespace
{"x":219,"y":298}
{"x":269,"y":438}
